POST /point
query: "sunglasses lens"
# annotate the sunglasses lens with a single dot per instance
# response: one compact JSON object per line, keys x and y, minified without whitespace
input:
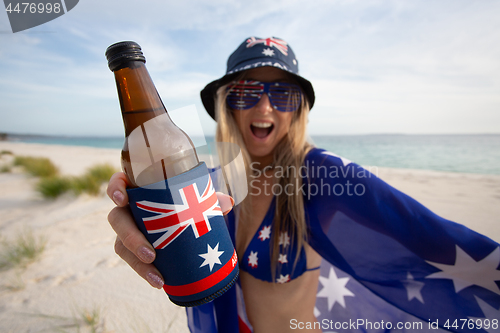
{"x":244,"y":94}
{"x":285,"y":97}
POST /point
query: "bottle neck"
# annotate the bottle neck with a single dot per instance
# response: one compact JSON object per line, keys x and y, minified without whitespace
{"x":139,"y":99}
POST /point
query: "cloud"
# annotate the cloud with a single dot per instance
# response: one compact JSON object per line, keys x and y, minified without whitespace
{"x":377,"y":66}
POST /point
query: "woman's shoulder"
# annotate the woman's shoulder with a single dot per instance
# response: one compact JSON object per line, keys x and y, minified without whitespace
{"x":319,"y":156}
{"x":326,"y":166}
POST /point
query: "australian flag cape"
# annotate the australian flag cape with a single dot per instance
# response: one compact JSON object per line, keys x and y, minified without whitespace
{"x":389,"y":263}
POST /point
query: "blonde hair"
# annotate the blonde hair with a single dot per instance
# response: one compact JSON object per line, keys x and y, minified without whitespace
{"x":288,"y":154}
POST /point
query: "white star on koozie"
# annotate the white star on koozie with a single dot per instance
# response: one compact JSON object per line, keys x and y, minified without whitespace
{"x":467,"y":272}
{"x":211,"y":257}
{"x":334,"y":289}
{"x":413,"y":288}
{"x":268,"y":52}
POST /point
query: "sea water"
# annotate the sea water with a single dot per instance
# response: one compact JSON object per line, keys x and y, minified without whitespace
{"x":453,"y":153}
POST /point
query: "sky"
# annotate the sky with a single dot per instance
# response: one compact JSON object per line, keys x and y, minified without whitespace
{"x":377,"y":66}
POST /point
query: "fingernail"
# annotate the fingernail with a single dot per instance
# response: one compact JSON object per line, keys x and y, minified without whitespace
{"x":155,"y":280}
{"x":118,"y":197}
{"x":230,"y":208}
{"x":146,"y":254}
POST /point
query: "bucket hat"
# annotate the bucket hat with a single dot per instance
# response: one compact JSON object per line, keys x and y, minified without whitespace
{"x":257,"y":52}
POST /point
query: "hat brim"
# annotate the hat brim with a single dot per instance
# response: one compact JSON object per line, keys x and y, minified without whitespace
{"x":208,"y":93}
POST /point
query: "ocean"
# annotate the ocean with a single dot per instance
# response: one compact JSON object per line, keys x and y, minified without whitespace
{"x":479,"y":154}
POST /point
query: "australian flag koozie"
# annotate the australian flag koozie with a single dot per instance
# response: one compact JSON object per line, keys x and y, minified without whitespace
{"x":182,"y":219}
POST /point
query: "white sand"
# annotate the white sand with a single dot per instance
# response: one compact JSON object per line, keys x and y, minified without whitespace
{"x":79,"y":270}
{"x":470,"y":199}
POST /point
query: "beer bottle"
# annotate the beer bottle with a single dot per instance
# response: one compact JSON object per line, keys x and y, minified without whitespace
{"x":168,"y":150}
{"x":171,"y":194}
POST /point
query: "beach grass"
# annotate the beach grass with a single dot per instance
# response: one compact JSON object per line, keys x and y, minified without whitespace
{"x":51,"y":184}
{"x":81,"y":320}
{"x":93,"y":319}
{"x":6,"y":167}
{"x":85,"y":184}
{"x":90,"y":182}
{"x":101,"y":172}
{"x":37,"y":166}
{"x":52,"y":187}
{"x":24,"y":249}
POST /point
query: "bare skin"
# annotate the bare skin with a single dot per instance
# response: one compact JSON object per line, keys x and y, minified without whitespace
{"x":270,"y":306}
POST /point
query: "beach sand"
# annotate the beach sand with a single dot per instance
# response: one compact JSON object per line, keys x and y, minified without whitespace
{"x":79,"y":272}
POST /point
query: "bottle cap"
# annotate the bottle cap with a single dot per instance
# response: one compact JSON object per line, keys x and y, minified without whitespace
{"x":123,"y":52}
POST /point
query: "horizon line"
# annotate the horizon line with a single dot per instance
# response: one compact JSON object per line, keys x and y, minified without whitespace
{"x":5,"y":135}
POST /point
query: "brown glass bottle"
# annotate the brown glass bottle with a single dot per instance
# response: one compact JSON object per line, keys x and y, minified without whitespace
{"x":155,"y":148}
{"x":170,"y":191}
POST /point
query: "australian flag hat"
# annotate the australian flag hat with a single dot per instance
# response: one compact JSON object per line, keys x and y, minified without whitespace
{"x":258,"y":52}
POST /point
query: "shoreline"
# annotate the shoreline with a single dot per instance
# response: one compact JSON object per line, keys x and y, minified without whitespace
{"x":71,"y":160}
{"x":79,"y":271}
{"x":461,"y":197}
{"x":455,"y":153}
{"x":466,"y":198}
{"x":44,"y":150}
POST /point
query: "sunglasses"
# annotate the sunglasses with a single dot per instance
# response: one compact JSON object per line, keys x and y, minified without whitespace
{"x":245,"y":94}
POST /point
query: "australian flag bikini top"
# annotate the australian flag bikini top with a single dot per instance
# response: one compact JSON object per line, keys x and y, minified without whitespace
{"x":257,"y":257}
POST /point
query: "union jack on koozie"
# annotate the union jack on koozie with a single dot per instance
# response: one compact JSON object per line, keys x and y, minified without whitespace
{"x":280,"y":44}
{"x":173,"y":219}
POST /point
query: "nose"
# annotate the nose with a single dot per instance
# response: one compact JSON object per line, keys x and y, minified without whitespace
{"x":264,"y":105}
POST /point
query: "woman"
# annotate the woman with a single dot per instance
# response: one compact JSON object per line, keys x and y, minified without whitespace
{"x":263,"y":131}
{"x":273,"y":138}
{"x":302,"y":206}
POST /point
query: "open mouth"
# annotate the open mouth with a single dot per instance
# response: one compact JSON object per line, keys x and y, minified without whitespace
{"x":261,"y":130}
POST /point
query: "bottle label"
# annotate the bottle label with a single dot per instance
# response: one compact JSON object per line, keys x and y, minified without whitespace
{"x":182,"y":219}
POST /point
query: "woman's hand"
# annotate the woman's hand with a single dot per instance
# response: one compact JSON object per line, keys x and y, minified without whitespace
{"x":130,"y":244}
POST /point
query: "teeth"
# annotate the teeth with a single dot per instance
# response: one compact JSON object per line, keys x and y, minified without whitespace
{"x":262,"y":125}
